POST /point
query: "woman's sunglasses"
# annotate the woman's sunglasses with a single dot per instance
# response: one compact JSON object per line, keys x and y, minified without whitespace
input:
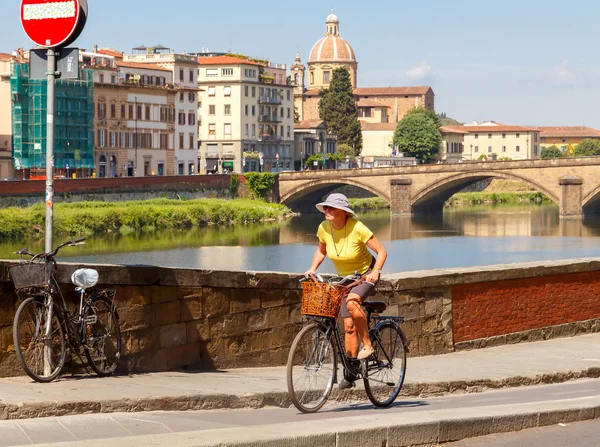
{"x":327,"y":208}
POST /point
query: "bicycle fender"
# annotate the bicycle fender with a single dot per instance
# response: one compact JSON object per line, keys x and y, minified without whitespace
{"x":402,"y":335}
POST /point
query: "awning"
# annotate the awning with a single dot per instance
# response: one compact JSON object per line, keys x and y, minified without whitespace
{"x":228,"y":164}
{"x":211,"y":164}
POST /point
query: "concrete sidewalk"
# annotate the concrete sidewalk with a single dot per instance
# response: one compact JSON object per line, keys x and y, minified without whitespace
{"x":549,"y":361}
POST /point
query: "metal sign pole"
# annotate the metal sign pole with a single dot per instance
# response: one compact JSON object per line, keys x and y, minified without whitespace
{"x":50,"y":148}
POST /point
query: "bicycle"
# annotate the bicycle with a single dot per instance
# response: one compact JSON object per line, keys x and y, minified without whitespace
{"x":313,"y":358}
{"x":44,"y":328}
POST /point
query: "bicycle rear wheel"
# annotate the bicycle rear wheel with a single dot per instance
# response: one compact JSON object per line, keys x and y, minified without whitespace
{"x":311,"y":367}
{"x":102,"y":336}
{"x":41,"y":356}
{"x":386,"y":369}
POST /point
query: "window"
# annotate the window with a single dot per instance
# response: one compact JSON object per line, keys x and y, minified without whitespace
{"x":312,"y":77}
{"x":253,"y":110}
{"x":503,"y":135}
{"x":191,"y":97}
{"x":246,"y":131}
{"x":113,"y":110}
{"x":101,"y":78}
{"x":211,"y":91}
{"x":535,"y":137}
{"x":210,"y":72}
{"x":288,"y":131}
{"x":211,"y":109}
{"x":227,"y":129}
{"x":113,"y":139}
{"x":489,"y":135}
{"x":181,"y":74}
{"x":227,"y":72}
{"x":326,"y":77}
{"x":288,"y":95}
{"x":281,"y":113}
{"x":518,"y":149}
{"x":163,"y":140}
{"x":246,"y":91}
{"x":476,"y":136}
{"x":123,"y":139}
{"x":227,"y":109}
{"x":123,"y":111}
{"x":518,"y":135}
{"x":191,"y":118}
{"x":130,"y":111}
{"x":212,"y":129}
{"x":181,"y":94}
{"x":535,"y":150}
{"x":288,"y":113}
{"x":562,"y":141}
{"x":489,"y":148}
{"x":253,"y":130}
{"x":192,"y":139}
{"x":138,"y":113}
{"x":503,"y":148}
{"x":246,"y":109}
{"x":253,"y":92}
{"x":180,"y":168}
{"x":113,"y":79}
{"x":181,"y":118}
{"x":101,"y":110}
{"x":191,"y":75}
{"x":148,"y":117}
{"x":226,"y":91}
{"x":101,"y":138}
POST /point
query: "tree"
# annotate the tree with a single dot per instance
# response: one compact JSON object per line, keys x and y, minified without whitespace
{"x":551,"y":152}
{"x":345,"y":151}
{"x":587,"y":147}
{"x":570,"y":151}
{"x":427,"y":112}
{"x":338,"y":109}
{"x":417,"y":135}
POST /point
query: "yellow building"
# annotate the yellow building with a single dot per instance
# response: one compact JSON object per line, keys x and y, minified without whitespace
{"x":375,"y":105}
{"x":6,"y":162}
{"x":491,"y":141}
{"x":563,"y":136}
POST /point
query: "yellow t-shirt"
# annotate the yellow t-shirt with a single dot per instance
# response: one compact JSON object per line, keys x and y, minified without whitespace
{"x":347,"y":248}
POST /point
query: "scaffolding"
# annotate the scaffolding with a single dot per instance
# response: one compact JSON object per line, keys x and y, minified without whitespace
{"x":73,"y":123}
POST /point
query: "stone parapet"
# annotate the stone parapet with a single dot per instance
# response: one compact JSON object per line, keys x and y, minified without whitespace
{"x":175,"y":318}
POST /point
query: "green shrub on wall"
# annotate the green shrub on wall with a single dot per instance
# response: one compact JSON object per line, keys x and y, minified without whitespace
{"x":234,"y":184}
{"x":259,"y":184}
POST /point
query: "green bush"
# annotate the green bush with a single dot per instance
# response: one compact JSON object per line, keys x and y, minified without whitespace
{"x":259,"y":184}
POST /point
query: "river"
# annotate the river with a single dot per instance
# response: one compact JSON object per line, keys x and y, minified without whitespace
{"x":460,"y":237}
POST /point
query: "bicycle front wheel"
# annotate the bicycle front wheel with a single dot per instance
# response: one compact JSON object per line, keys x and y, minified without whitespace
{"x":39,"y":341}
{"x":311,"y":367}
{"x":102,"y":336}
{"x":386,"y":369}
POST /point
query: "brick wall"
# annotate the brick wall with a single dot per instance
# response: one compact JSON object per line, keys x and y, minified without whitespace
{"x":490,"y":309}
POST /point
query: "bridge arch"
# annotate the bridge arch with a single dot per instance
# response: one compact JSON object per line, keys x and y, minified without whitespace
{"x":434,"y":195}
{"x":303,"y":199}
{"x":590,"y":204}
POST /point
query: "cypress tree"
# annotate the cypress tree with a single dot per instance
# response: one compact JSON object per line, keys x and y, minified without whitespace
{"x":338,"y":109}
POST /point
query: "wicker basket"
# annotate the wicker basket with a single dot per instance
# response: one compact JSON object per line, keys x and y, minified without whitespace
{"x":30,"y":275}
{"x":322,"y":299}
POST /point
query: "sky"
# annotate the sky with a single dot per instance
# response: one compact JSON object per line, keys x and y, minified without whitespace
{"x":526,"y":62}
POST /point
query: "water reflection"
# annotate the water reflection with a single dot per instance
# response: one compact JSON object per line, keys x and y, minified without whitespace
{"x":458,"y":237}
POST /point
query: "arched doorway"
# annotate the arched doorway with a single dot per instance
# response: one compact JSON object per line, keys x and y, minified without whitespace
{"x":102,"y":167}
{"x":113,"y":166}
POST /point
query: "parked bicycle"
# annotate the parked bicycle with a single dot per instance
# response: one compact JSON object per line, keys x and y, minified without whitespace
{"x":44,"y":328}
{"x":312,"y":365}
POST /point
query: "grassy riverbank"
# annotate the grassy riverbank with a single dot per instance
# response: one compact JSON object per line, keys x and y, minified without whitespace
{"x":88,"y":218}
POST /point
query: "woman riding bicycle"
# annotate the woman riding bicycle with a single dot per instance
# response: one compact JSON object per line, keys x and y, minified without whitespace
{"x":345,"y":240}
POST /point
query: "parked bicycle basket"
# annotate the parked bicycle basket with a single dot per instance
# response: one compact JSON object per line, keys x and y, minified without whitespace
{"x":30,"y":275}
{"x":322,"y":299}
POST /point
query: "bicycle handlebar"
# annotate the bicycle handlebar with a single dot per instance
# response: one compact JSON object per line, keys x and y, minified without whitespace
{"x":344,"y":281}
{"x":53,"y":253}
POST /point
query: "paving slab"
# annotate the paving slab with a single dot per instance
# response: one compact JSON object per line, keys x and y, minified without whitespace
{"x":549,"y":361}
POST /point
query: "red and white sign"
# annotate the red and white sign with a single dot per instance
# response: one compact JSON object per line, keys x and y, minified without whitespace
{"x":53,"y":23}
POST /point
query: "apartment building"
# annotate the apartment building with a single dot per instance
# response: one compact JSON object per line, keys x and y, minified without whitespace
{"x":184,"y":71}
{"x":6,"y":162}
{"x":245,"y":114}
{"x":490,"y":141}
{"x":563,"y":136}
{"x":134,"y":117}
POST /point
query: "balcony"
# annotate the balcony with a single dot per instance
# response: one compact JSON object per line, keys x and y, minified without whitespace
{"x":269,"y":100}
{"x":269,"y":119}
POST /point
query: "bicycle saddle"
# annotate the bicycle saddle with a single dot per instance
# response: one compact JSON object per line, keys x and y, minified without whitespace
{"x":375,"y":306}
{"x":84,"y":278}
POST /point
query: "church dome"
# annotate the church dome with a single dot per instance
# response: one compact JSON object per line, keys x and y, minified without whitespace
{"x":331,"y":47}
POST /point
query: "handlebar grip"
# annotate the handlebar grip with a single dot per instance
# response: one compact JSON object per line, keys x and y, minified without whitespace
{"x":77,"y":241}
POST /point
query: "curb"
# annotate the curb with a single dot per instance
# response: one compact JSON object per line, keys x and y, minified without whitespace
{"x":416,"y":429}
{"x":273,"y":399}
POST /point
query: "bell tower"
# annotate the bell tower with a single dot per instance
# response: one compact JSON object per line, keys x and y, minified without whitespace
{"x":298,"y":70}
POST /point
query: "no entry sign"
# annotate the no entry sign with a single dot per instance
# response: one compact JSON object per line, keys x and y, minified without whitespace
{"x":53,"y":23}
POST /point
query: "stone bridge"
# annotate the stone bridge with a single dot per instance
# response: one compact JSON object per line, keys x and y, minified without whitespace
{"x":572,"y":183}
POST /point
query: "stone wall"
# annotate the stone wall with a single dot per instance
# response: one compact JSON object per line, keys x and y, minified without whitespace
{"x":176,"y":318}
